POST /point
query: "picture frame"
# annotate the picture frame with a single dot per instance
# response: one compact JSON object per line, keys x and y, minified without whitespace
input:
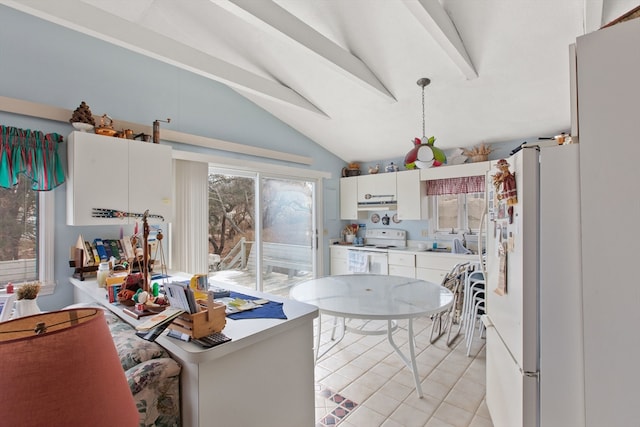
{"x":6,"y":306}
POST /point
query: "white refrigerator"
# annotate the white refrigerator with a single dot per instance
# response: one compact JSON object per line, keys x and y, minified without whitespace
{"x":534,"y":360}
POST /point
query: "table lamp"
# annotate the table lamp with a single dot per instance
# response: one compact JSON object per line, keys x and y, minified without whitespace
{"x":61,"y":369}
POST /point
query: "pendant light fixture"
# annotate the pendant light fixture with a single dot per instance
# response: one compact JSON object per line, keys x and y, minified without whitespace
{"x":424,"y":155}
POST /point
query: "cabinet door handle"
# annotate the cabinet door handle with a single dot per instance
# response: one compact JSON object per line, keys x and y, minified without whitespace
{"x":369,"y":196}
{"x":112,"y":213}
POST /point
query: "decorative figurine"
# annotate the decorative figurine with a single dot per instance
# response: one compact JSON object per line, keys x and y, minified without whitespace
{"x":505,"y":185}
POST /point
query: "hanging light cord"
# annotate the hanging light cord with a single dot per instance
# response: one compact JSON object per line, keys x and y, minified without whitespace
{"x":423,"y":82}
{"x":423,"y":126}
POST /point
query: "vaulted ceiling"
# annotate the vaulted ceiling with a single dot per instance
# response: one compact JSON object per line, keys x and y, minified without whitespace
{"x":344,"y":72}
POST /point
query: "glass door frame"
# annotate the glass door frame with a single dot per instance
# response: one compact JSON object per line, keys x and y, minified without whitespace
{"x":317,"y":242}
{"x":316,"y":258}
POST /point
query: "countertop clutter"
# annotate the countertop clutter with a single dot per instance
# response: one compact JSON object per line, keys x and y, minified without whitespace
{"x":216,"y":383}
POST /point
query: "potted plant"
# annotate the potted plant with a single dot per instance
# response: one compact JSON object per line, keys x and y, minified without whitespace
{"x":349,"y":232}
{"x":26,"y":304}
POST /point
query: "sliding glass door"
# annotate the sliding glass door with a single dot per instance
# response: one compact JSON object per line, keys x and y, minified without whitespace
{"x":261,"y":223}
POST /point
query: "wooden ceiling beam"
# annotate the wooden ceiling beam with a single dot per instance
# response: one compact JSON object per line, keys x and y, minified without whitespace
{"x":436,"y":21}
{"x":593,"y":13}
{"x":276,"y":21}
{"x":84,"y":18}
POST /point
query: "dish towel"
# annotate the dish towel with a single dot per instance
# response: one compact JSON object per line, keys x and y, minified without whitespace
{"x":270,"y":310}
{"x":358,"y":262}
{"x":458,"y":247}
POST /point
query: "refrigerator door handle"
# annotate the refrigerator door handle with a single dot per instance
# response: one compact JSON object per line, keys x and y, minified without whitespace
{"x":483,"y":267}
{"x":486,"y":321}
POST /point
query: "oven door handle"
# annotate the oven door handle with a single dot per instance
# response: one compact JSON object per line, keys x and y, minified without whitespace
{"x":369,"y":252}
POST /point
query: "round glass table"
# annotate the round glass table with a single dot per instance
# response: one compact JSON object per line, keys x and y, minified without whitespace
{"x":375,"y":297}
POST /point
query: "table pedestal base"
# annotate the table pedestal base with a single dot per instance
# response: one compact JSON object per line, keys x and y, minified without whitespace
{"x":392,"y":325}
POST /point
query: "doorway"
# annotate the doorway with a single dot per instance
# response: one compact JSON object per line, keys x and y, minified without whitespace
{"x":261,"y":223}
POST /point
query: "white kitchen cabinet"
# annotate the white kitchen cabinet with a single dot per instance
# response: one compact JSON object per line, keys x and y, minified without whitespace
{"x":339,"y":259}
{"x":412,"y":195}
{"x":433,"y":267}
{"x":349,"y":197}
{"x":402,"y":264}
{"x":119,"y":174}
{"x":381,"y":187}
{"x":431,"y":275}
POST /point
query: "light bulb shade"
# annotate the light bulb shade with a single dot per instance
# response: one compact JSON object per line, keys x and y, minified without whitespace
{"x":69,"y":375}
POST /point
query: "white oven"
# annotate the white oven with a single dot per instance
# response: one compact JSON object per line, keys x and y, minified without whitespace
{"x":372,"y":257}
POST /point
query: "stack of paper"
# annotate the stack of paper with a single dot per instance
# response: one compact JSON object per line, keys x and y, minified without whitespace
{"x":159,"y":319}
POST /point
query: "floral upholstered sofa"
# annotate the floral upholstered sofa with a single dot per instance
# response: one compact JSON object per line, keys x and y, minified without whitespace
{"x":153,"y":377}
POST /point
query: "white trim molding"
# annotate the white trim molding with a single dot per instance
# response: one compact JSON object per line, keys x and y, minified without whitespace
{"x":46,"y":249}
{"x":43,"y":111}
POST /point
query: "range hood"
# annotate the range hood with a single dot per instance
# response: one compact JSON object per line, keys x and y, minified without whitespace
{"x":378,"y":206}
{"x":378,"y":202}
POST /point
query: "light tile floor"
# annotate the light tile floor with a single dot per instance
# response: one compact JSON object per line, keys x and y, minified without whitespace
{"x":363,"y":382}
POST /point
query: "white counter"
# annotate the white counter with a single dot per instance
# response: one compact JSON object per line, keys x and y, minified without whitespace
{"x":266,"y":372}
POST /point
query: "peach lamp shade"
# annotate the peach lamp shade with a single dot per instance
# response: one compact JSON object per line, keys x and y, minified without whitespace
{"x":62,"y":369}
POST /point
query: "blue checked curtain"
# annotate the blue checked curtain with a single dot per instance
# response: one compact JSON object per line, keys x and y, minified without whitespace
{"x":31,"y":154}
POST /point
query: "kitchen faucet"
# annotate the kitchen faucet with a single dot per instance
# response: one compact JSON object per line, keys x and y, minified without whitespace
{"x":464,"y":236}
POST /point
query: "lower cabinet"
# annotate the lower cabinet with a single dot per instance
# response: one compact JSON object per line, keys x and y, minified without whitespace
{"x":433,"y":267}
{"x":431,"y":274}
{"x":402,"y":264}
{"x":339,"y":260}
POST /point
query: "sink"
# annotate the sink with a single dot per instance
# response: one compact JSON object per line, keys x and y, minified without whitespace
{"x":447,"y":251}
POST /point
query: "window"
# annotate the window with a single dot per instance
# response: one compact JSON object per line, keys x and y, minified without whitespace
{"x":18,"y":233}
{"x":458,"y":211}
{"x":26,"y":235}
{"x":457,"y":203}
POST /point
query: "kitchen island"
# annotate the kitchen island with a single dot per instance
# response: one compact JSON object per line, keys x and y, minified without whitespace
{"x":263,"y":376}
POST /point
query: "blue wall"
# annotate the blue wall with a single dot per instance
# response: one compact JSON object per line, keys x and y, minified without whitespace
{"x":48,"y":64}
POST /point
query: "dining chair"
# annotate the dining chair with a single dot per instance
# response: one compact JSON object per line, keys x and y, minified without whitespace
{"x":473,"y":282}
{"x":479,"y":306}
{"x":474,"y":302}
{"x":443,"y":322}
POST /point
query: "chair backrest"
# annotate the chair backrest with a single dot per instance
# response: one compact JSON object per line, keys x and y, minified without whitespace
{"x":455,"y":277}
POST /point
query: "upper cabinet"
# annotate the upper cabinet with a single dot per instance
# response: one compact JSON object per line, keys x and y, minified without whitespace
{"x":377,"y":188}
{"x":118,"y":175}
{"x":412,"y":196}
{"x":403,"y":191}
{"x":349,"y":197}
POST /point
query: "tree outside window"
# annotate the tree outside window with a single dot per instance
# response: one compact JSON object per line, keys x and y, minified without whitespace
{"x":18,"y":232}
